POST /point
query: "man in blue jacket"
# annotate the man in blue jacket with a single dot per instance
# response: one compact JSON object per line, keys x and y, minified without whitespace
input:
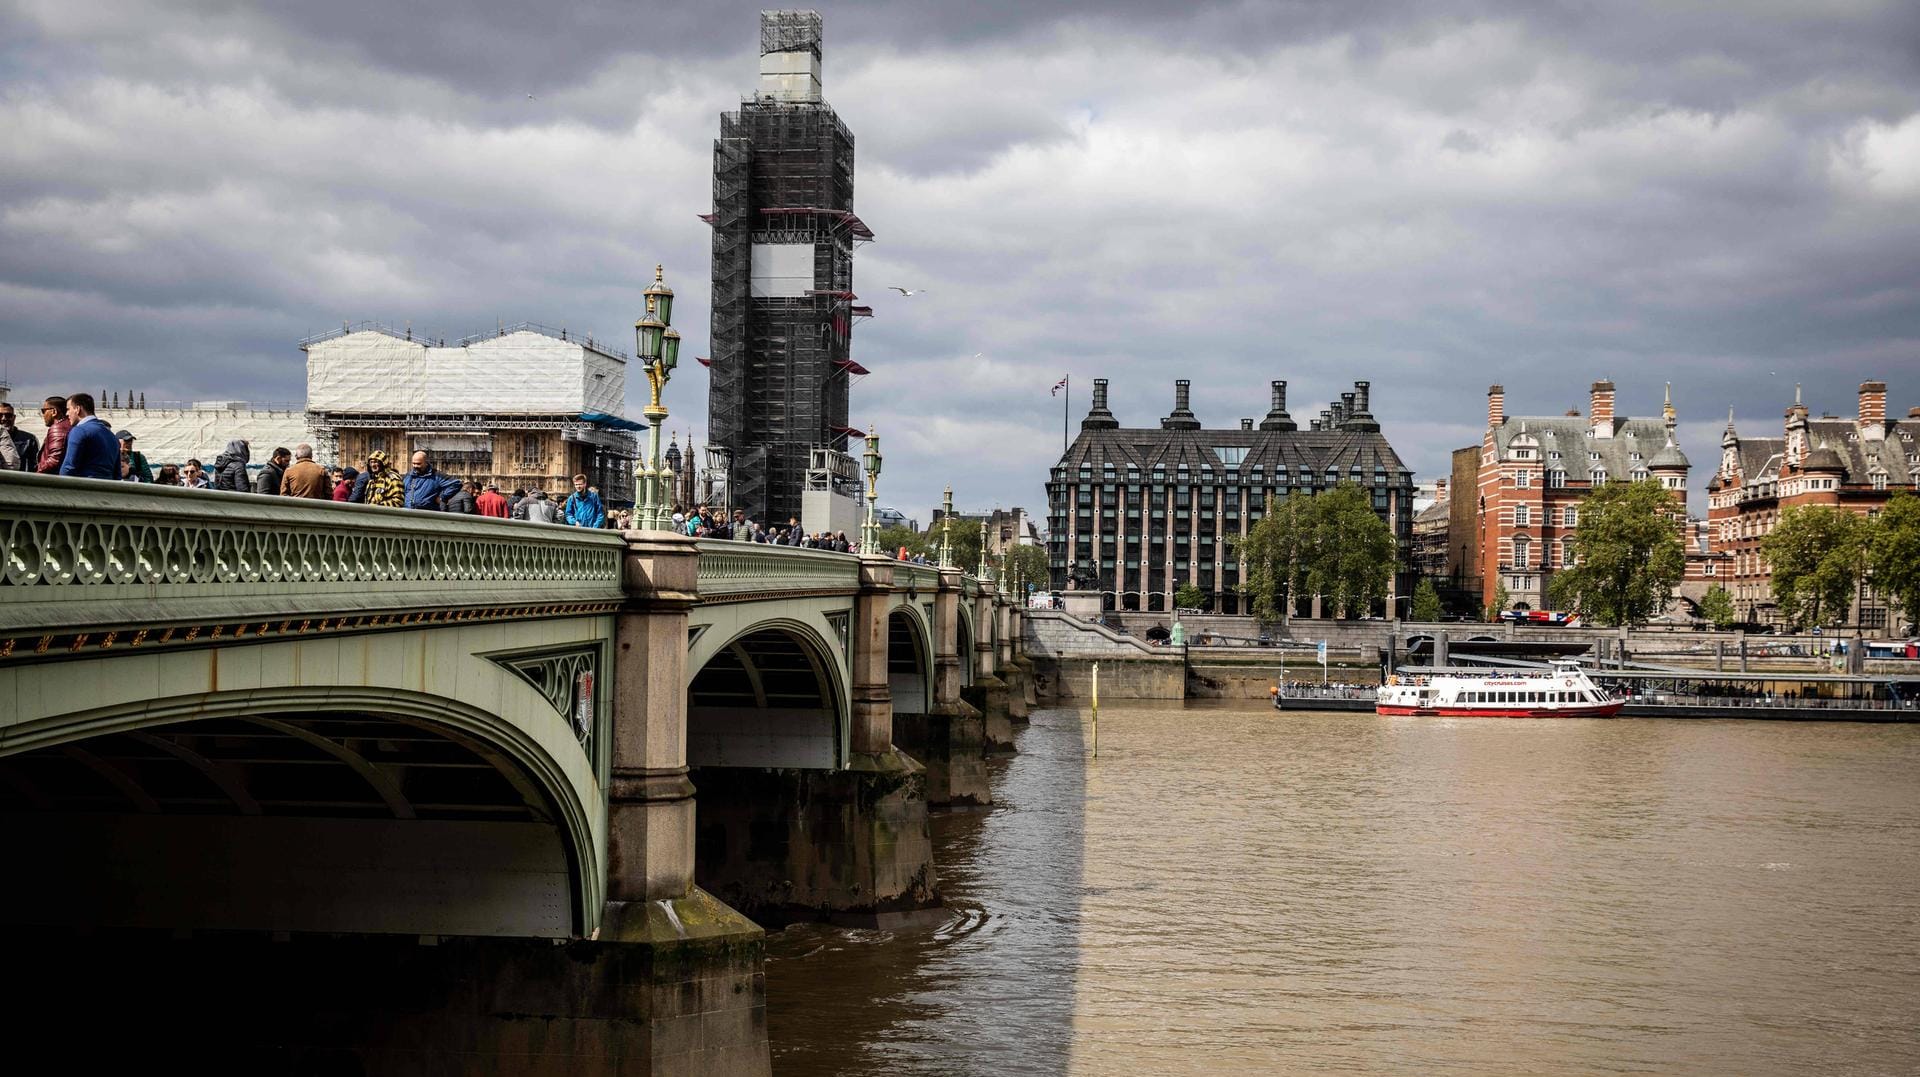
{"x":92,"y":450}
{"x":425,"y":488}
{"x":583,"y":507}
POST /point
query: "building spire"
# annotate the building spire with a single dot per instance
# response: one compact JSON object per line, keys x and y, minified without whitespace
{"x":1667,"y":409}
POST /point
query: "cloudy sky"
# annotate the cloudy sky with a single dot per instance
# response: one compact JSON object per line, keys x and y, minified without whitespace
{"x":1433,"y":195}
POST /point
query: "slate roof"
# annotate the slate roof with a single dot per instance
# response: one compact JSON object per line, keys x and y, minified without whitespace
{"x":1314,"y":451}
{"x":1567,"y":435}
{"x":1860,"y":455}
{"x":1762,"y":459}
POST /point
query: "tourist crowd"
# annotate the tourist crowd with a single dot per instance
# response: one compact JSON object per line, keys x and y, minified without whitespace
{"x":80,"y":444}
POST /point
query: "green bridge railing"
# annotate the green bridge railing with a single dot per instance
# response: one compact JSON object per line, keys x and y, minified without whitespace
{"x":118,"y":561}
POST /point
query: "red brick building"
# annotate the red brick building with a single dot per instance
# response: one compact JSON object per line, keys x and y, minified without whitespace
{"x":1854,"y":463}
{"x":1534,"y":473}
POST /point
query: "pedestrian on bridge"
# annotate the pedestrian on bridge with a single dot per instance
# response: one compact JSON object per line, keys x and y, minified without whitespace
{"x":306,"y":478}
{"x":92,"y":450}
{"x":19,"y":450}
{"x":53,"y":451}
{"x":490,"y":503}
{"x":424,"y":487}
{"x":133,"y":463}
{"x":379,"y":484}
{"x":230,"y":467}
{"x":584,"y":507}
{"x":274,"y":475}
{"x":462,"y":500}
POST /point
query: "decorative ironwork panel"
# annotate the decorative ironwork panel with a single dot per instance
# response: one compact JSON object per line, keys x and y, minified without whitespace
{"x":730,"y":568}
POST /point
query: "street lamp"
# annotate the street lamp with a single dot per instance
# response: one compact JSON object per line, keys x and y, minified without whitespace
{"x":869,"y":533}
{"x":981,"y":572}
{"x":658,"y":347}
{"x":946,"y":524}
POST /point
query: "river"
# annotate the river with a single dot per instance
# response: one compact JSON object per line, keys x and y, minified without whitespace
{"x":1231,"y":890}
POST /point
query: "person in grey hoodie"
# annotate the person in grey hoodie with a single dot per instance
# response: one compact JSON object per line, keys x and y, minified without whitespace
{"x":230,"y":468}
{"x":537,"y":508}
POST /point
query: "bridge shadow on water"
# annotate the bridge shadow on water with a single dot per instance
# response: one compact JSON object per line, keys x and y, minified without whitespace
{"x":990,"y":989}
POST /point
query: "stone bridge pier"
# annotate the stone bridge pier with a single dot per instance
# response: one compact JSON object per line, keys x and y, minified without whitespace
{"x":941,"y":730}
{"x":805,"y":814}
{"x":989,"y":693}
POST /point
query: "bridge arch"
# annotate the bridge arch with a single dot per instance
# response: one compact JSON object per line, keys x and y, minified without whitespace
{"x":909,"y":660}
{"x":963,"y":624}
{"x":365,"y":810}
{"x":772,"y":695}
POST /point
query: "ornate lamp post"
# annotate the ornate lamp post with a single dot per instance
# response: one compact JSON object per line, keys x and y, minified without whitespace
{"x":869,"y":533}
{"x":658,"y":349}
{"x":946,"y":523}
{"x":981,"y":572}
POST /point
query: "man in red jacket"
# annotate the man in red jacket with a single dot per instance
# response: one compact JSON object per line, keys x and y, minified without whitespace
{"x":491,"y":503}
{"x":53,"y":450}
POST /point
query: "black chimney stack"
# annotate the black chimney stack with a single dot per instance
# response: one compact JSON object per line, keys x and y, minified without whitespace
{"x":1182,"y":417}
{"x":1277,"y":417}
{"x":1098,"y":417}
{"x":1361,"y":417}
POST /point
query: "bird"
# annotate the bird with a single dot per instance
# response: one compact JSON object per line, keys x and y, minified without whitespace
{"x":906,"y":291}
{"x":979,"y":355}
{"x":529,"y":97}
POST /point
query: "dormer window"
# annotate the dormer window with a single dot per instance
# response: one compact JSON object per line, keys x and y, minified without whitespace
{"x":1599,"y":475}
{"x":1591,"y":455}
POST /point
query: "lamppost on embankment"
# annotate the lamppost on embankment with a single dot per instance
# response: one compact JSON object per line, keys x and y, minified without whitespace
{"x":658,"y":348}
{"x":869,"y":532}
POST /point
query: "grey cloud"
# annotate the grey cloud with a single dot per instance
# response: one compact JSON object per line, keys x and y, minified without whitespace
{"x":1432,"y":198}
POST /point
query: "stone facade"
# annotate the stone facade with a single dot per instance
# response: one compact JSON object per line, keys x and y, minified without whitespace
{"x":1854,"y":463}
{"x":1136,"y":513}
{"x":1535,"y":471}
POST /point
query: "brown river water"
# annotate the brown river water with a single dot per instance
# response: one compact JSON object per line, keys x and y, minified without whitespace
{"x":1233,"y":890}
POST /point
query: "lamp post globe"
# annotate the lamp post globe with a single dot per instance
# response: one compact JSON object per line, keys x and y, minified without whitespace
{"x":657,"y":346}
{"x":869,"y":532}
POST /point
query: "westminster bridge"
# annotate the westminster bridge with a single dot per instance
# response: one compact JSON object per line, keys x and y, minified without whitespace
{"x":462,"y":787}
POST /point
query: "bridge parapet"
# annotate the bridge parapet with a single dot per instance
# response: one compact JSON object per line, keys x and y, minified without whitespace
{"x":93,"y":565}
{"x":732,"y":571}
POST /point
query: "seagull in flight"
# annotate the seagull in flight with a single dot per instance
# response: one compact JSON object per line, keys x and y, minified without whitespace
{"x":906,"y":291}
{"x":529,"y":97}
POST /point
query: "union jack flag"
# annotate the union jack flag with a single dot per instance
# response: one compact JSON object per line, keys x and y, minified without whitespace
{"x":1057,"y":386}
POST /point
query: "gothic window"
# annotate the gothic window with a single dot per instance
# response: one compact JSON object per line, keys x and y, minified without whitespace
{"x":531,"y":458}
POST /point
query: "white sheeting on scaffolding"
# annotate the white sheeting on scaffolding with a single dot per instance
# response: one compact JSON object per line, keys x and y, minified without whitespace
{"x":372,"y":372}
{"x":176,"y":435}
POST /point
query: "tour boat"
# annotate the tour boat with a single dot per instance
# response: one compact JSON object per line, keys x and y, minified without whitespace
{"x":1561,"y":691}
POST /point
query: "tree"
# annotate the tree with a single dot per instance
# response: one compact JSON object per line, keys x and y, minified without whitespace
{"x":1350,"y":551}
{"x":1717,"y":606}
{"x":1501,"y":596}
{"x":1272,"y":549}
{"x":1189,"y":597}
{"x":1029,"y":563}
{"x":1426,"y":601}
{"x":892,"y":538}
{"x":1893,"y":552}
{"x":1332,"y":544}
{"x":1817,"y":554}
{"x":1627,"y":555}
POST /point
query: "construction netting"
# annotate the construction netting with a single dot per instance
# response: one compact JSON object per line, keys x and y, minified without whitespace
{"x":174,"y":435}
{"x":521,"y":371}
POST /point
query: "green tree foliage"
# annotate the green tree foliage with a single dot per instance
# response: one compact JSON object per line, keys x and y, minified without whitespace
{"x":1816,"y":553}
{"x":1893,"y":552}
{"x":1426,"y":601}
{"x":1274,"y":549}
{"x":1501,"y":598}
{"x":1627,"y":553}
{"x":891,"y":539}
{"x":1029,"y":563}
{"x":1717,"y":606}
{"x":1332,"y":544}
{"x":1189,"y":597}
